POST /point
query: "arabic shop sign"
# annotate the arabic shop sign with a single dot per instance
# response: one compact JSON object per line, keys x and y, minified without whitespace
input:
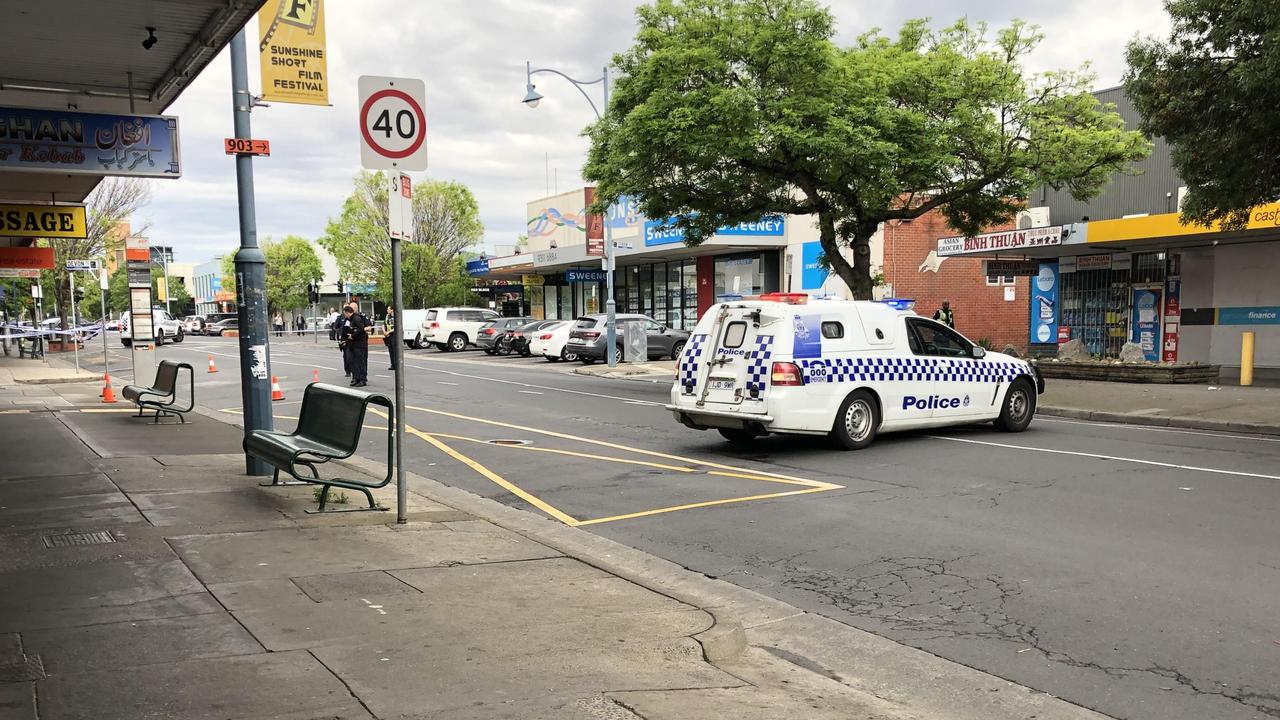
{"x":89,"y":143}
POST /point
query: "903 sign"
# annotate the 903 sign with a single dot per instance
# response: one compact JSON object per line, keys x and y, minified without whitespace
{"x":245,"y":146}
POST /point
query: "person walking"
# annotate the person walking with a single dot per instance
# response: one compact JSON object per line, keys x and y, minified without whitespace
{"x":356,"y":334}
{"x":278,"y":323}
{"x":945,"y":316}
{"x":334,"y":322}
{"x":300,"y":325}
{"x":390,"y":337}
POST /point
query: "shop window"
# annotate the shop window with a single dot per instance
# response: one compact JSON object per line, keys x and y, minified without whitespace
{"x":689,"y":293}
{"x":996,"y":280}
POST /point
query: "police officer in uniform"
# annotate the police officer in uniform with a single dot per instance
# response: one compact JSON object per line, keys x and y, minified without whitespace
{"x":945,"y":316}
{"x":356,"y":334}
{"x":390,"y":337}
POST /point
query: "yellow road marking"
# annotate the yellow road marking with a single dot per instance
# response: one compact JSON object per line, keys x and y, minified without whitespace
{"x":589,"y":456}
{"x":806,"y":483}
{"x":708,"y":503}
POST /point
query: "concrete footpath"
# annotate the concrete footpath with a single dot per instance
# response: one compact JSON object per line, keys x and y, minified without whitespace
{"x":1228,"y":408}
{"x":145,"y":576}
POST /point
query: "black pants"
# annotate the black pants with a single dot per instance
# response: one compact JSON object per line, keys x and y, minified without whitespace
{"x":359,"y":362}
{"x":390,"y":340}
{"x":346,"y":359}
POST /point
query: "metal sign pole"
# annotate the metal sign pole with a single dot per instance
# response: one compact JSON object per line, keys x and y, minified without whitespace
{"x":75,"y":344}
{"x":397,"y":354}
{"x":102,"y":290}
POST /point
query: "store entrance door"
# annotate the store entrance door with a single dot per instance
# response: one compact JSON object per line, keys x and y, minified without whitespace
{"x":1144,"y":323}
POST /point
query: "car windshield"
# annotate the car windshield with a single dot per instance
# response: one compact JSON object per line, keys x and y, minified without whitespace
{"x":585,"y":322}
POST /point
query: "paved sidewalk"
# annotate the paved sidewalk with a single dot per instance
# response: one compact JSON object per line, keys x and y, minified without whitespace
{"x":142,"y":580}
{"x":52,"y":369}
{"x":663,"y":371}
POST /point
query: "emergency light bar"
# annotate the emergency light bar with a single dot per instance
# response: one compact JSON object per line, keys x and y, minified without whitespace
{"x":900,"y":303}
{"x":788,"y":298}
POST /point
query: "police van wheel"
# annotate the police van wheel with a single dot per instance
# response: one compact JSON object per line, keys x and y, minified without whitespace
{"x":856,"y":422}
{"x":737,"y":436}
{"x":1019,"y":407}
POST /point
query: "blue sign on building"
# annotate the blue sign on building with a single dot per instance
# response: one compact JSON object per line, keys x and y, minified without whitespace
{"x":1266,"y":315}
{"x":76,"y":142}
{"x":215,"y":283}
{"x":581,"y":276}
{"x":664,"y":232}
{"x":813,"y":275}
{"x":1044,"y":304}
{"x":478,"y":267}
{"x":624,"y":213}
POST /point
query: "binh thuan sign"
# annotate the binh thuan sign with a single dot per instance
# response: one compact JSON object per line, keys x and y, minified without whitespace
{"x":1008,"y":240}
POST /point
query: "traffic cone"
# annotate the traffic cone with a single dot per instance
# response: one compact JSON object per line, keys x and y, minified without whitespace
{"x":212,"y":368}
{"x":108,"y":395}
{"x":315,"y":375}
{"x":276,"y":392}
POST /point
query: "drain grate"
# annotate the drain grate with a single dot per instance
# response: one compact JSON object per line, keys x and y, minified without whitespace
{"x":509,"y":442}
{"x":100,"y":537}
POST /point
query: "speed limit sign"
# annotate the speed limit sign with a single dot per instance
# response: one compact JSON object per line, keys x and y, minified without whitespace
{"x":393,"y":127}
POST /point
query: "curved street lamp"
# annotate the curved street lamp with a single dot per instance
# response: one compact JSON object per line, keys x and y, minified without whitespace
{"x":531,"y":98}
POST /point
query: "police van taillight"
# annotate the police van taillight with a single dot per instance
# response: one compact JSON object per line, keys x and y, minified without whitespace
{"x":785,"y":373}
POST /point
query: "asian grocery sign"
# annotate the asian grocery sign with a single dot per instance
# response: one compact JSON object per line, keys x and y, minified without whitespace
{"x":1000,"y":241}
{"x":665,"y":232}
{"x":89,"y":143}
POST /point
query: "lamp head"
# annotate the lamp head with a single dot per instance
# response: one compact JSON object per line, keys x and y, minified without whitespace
{"x":532,"y":97}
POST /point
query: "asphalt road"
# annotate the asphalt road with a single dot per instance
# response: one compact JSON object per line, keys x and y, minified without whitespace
{"x":1129,"y":570}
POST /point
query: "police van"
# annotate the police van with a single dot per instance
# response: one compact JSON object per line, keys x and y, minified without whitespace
{"x":787,"y":363}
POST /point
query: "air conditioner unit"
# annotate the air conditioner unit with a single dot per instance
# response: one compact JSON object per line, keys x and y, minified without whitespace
{"x":1033,"y":218}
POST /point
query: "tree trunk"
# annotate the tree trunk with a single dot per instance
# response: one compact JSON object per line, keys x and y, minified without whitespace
{"x":858,"y":275}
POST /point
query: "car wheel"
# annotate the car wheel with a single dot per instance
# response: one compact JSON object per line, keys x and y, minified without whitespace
{"x":676,"y":350}
{"x":457,"y":342}
{"x":1019,"y":407}
{"x":416,"y":343}
{"x":550,"y":358}
{"x":617,"y":355}
{"x":737,"y":436}
{"x":159,"y":338}
{"x":857,"y":421}
{"x":587,"y":360}
{"x":567,"y":356}
{"x":490,"y":351}
{"x":180,"y":336}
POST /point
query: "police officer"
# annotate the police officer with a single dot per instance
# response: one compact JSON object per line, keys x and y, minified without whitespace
{"x":356,"y":334}
{"x":945,"y":316}
{"x":390,"y":337}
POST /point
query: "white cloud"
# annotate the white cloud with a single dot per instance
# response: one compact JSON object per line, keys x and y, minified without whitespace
{"x":471,"y":55}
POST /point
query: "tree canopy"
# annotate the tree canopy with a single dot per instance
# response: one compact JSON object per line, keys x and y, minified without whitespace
{"x":292,"y":264}
{"x":1211,"y":91}
{"x":725,"y":111}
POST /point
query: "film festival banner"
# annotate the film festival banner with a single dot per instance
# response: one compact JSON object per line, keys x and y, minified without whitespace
{"x":292,"y":52}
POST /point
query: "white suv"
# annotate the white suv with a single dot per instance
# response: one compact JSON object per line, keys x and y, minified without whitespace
{"x":453,"y":329}
{"x":164,"y":325}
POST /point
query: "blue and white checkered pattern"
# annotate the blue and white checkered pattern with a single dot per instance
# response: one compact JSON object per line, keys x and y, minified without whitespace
{"x":842,"y":370}
{"x":758,"y":366}
{"x":689,"y":361}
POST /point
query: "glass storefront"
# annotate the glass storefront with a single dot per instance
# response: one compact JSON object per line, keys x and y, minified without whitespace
{"x":665,"y":291}
{"x":1097,"y":298}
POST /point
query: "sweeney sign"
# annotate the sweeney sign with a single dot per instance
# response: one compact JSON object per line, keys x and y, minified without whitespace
{"x":1000,"y":241}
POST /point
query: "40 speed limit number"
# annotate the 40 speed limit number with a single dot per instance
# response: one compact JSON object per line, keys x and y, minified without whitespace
{"x":393,"y":126}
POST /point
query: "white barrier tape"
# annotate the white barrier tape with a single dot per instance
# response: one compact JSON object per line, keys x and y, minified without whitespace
{"x":27,"y":333}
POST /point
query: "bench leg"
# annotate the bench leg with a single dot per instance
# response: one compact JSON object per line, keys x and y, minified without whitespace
{"x":324,"y":496}
{"x":277,"y":482}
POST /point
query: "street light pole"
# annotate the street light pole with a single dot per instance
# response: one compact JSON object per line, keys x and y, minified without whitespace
{"x":251,"y":273}
{"x":531,"y":98}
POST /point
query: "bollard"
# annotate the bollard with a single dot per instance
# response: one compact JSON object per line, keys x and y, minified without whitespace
{"x":1246,"y":359}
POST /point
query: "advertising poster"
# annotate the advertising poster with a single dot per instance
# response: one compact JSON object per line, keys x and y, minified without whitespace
{"x":1044,"y":304}
{"x":813,"y":275}
{"x":808,"y":336}
{"x":295,"y":64}
{"x":1145,"y":322}
{"x":1172,"y":311}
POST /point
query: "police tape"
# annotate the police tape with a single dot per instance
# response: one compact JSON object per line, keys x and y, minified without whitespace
{"x":25,"y":332}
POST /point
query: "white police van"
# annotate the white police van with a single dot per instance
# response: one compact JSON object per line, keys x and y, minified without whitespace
{"x":786,"y":363}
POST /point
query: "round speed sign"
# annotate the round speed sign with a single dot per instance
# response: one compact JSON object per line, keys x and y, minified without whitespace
{"x":393,"y":126}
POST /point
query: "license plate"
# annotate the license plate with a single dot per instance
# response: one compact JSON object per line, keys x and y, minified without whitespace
{"x":720,"y":384}
{"x":575,"y":341}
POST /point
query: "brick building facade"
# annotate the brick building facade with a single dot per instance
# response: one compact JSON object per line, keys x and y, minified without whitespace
{"x":983,"y":312}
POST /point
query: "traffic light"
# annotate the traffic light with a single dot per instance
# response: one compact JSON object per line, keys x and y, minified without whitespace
{"x":339,"y":286}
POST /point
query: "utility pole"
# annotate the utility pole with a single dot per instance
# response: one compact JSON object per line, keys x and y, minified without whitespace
{"x":251,"y":272}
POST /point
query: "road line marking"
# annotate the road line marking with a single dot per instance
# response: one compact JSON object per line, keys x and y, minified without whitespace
{"x":615,"y":446}
{"x":529,"y":392}
{"x":521,"y":384}
{"x":441,"y":382}
{"x":748,"y":476}
{"x":1116,"y":458}
{"x":641,"y":402}
{"x":693,"y":506}
{"x":571,"y":453}
{"x":1148,"y":428}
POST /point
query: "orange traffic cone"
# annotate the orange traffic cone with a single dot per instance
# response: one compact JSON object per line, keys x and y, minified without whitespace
{"x":315,"y":375}
{"x":212,"y":368}
{"x":276,"y":392}
{"x":108,"y":395}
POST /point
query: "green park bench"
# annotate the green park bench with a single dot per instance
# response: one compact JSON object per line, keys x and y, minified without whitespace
{"x":329,"y":426}
{"x":162,"y":395}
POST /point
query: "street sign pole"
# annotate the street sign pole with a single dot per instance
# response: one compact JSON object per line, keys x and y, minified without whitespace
{"x":397,"y":354}
{"x":75,"y":344}
{"x":251,"y":274}
{"x":103,"y":282}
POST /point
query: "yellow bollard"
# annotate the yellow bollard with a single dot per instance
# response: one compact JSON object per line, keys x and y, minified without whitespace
{"x":1246,"y":359}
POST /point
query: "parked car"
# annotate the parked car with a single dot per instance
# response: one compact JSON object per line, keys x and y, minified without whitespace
{"x":488,"y":335}
{"x":549,"y":342}
{"x":213,"y":318}
{"x":163,"y":326}
{"x":588,"y":337}
{"x":193,"y":325}
{"x":517,"y":339}
{"x":453,"y":329}
{"x":410,"y":324}
{"x":231,"y":323}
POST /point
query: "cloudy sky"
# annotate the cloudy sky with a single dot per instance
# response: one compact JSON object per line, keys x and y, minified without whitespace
{"x":471,"y":54}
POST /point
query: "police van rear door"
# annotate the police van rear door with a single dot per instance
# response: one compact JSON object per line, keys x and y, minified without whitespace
{"x":736,"y":359}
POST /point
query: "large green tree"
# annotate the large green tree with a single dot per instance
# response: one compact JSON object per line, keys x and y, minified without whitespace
{"x":118,"y":293}
{"x":728,"y":110}
{"x":427,"y":280}
{"x":446,"y":219}
{"x":1211,"y":90}
{"x":292,"y":264}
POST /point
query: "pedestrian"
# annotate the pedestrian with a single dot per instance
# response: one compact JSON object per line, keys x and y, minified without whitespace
{"x":356,"y":334}
{"x":300,"y":324}
{"x":278,"y":323}
{"x":945,"y":316}
{"x":333,"y":321}
{"x":339,"y":331}
{"x":389,"y":337}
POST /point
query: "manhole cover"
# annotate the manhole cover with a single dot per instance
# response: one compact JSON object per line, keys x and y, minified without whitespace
{"x":508,"y":442}
{"x":100,"y":537}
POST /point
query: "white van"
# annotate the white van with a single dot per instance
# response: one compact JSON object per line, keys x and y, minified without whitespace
{"x":785,"y":363}
{"x":452,"y":329}
{"x":163,"y":326}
